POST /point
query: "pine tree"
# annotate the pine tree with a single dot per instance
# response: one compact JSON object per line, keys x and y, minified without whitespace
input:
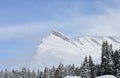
{"x":52,"y":72}
{"x":24,"y":70}
{"x":6,"y":74}
{"x":116,"y":61}
{"x":46,"y":73}
{"x":28,"y":73}
{"x":72,"y":69}
{"x":60,"y":71}
{"x":1,"y":74}
{"x":57,"y":74}
{"x":98,"y":70}
{"x":33,"y":74}
{"x":69,"y":70}
{"x":85,"y":70}
{"x":106,"y":60}
{"x":39,"y":74}
{"x":66,"y":70}
{"x":92,"y":68}
{"x":110,"y":68}
{"x":118,"y":73}
{"x":77,"y":71}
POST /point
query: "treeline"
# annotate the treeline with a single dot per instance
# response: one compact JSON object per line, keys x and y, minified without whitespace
{"x":110,"y":65}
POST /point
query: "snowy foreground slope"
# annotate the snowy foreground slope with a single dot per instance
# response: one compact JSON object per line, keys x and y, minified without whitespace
{"x":72,"y":77}
{"x":58,"y":48}
{"x":105,"y":76}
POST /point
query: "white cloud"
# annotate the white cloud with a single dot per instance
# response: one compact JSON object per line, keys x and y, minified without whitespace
{"x":106,"y":23}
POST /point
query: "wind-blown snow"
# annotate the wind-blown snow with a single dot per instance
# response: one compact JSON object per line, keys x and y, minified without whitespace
{"x":58,"y":48}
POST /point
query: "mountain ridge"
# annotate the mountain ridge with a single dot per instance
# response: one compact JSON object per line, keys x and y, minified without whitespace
{"x":57,"y":47}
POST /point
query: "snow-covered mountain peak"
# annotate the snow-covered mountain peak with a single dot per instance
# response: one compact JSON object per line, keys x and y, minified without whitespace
{"x":54,"y":31}
{"x":57,"y":48}
{"x":59,"y":34}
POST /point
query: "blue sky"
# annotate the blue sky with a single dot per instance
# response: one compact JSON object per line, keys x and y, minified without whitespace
{"x":23,"y":23}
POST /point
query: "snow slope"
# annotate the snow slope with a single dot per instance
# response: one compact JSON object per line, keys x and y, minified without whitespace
{"x":58,"y":48}
{"x":72,"y":77}
{"x":105,"y":76}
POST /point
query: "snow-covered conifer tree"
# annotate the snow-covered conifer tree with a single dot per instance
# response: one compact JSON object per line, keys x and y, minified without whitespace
{"x":46,"y":73}
{"x":106,"y":60}
{"x":92,"y":68}
{"x":85,"y":70}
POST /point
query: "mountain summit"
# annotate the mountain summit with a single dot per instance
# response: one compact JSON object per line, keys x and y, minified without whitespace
{"x":58,"y":48}
{"x":59,"y":34}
